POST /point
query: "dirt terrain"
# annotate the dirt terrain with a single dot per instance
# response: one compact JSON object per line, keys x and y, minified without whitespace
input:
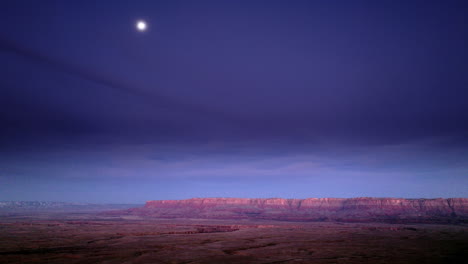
{"x":91,"y":238}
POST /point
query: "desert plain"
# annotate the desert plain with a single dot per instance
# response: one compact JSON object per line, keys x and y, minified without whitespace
{"x":91,"y":237}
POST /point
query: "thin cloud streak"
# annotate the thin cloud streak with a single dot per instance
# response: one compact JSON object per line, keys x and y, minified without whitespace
{"x":152,"y":99}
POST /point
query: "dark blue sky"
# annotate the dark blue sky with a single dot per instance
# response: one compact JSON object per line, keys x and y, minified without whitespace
{"x":286,"y":99}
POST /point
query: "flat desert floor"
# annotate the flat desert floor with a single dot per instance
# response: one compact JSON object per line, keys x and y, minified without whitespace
{"x":88,"y":238}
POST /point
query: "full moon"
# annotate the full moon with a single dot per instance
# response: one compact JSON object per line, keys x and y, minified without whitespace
{"x":141,"y":25}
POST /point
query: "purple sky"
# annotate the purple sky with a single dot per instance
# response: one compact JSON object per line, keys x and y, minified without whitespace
{"x":289,"y":99}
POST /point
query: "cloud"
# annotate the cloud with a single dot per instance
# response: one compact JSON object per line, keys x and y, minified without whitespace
{"x":153,"y":99}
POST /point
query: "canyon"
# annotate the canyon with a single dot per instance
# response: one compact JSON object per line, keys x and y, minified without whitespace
{"x":237,"y":230}
{"x":364,"y":209}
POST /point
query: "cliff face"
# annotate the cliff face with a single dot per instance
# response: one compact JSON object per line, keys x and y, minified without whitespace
{"x":449,"y":205}
{"x":312,"y":209}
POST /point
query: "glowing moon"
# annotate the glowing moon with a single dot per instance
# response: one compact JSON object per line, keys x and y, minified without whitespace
{"x":141,"y":25}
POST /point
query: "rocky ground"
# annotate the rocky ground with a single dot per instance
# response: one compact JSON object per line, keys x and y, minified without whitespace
{"x":91,"y":238}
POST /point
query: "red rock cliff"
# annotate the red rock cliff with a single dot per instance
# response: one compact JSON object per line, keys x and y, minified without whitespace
{"x":352,"y":209}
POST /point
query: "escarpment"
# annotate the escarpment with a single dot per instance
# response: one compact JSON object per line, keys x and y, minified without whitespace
{"x":365,"y":209}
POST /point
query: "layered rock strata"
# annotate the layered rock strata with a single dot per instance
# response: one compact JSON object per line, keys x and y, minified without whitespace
{"x":450,"y":210}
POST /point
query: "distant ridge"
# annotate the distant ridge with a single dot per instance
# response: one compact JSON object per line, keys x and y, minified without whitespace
{"x":20,"y":206}
{"x":363,"y":209}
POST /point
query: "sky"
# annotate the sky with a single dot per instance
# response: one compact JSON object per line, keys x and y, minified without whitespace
{"x":258,"y":99}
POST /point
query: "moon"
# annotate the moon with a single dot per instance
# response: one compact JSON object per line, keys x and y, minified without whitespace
{"x":141,"y":25}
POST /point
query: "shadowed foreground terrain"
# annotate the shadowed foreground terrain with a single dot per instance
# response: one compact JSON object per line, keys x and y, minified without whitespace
{"x":96,"y":238}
